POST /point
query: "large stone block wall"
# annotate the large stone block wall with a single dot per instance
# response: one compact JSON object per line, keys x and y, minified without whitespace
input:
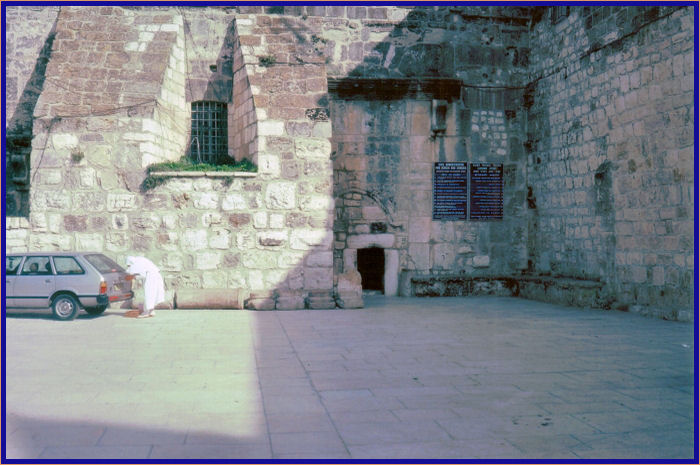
{"x":384,"y":154}
{"x":243,"y":118}
{"x":29,"y":33}
{"x":235,"y":232}
{"x":284,"y":123}
{"x":611,"y":152}
{"x":590,"y":114}
{"x":26,"y":30}
{"x":265,"y":233}
{"x":114,"y":84}
{"x":209,"y":44}
{"x":108,"y":108}
{"x":386,"y":140}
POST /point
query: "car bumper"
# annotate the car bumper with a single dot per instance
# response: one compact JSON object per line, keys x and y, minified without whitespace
{"x":121,"y":297}
{"x":103,"y":300}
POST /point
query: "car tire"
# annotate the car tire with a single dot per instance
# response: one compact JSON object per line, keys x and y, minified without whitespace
{"x":94,"y":311}
{"x":65,"y":307}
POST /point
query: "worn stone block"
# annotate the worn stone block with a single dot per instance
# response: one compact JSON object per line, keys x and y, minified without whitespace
{"x":121,"y":202}
{"x":316,"y":203}
{"x":305,"y":239}
{"x":420,"y":256}
{"x":234,"y":201}
{"x":318,"y":278}
{"x":363,"y":241}
{"x":260,"y":301}
{"x":208,"y":299}
{"x":205,"y":200}
{"x":481,"y":261}
{"x":419,"y":229}
{"x":290,"y":300}
{"x":280,"y":196}
{"x":306,"y":148}
{"x":260,"y":220}
{"x":320,"y":259}
{"x":90,"y":242}
{"x":238,"y":220}
{"x":75,"y":223}
{"x":320,"y":300}
{"x":194,"y":239}
{"x":272,"y":238}
{"x":658,"y":278}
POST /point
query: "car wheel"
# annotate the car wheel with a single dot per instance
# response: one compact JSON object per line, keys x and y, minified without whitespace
{"x":65,"y":307}
{"x":96,"y":310}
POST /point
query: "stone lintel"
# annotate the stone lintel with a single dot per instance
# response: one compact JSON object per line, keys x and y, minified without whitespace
{"x":363,"y":241}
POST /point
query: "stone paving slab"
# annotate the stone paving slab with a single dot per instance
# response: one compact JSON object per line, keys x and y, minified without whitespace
{"x":443,"y":378}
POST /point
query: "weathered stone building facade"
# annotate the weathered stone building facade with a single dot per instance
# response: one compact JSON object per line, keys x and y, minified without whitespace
{"x":346,"y":110}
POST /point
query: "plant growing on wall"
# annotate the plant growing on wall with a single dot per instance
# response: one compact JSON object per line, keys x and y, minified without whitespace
{"x":185,"y":164}
{"x":267,"y":60}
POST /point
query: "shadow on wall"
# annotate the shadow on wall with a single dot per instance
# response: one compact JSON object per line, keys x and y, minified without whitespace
{"x":18,"y":137}
{"x":219,"y":88}
{"x":433,"y":63}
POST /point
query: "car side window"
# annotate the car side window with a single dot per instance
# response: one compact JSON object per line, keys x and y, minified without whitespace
{"x":67,"y":265}
{"x":36,"y":266}
{"x":12,"y":265}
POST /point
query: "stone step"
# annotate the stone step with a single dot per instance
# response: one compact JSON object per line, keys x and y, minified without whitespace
{"x":208,"y":299}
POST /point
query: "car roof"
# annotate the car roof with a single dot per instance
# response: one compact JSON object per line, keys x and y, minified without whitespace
{"x":34,"y":254}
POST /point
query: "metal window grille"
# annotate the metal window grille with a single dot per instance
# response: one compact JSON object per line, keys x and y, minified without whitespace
{"x":209,"y":140}
{"x":559,"y":13}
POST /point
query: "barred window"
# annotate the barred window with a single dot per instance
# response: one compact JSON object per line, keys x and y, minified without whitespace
{"x":559,"y":13}
{"x":209,"y":140}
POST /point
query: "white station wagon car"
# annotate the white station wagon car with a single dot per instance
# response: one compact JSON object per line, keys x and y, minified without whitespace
{"x":64,"y":282}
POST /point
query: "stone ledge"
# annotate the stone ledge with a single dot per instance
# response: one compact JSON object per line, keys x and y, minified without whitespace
{"x":565,"y":291}
{"x":512,"y":282}
{"x":208,"y":299}
{"x":204,"y":174}
{"x":583,"y":293}
{"x":568,"y":283}
{"x":457,"y":286}
{"x":559,"y":290}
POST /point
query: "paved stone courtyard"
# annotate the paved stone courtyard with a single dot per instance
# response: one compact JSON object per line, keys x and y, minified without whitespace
{"x":442,"y":378}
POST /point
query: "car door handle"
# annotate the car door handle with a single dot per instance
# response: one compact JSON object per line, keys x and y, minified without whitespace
{"x":47,"y":281}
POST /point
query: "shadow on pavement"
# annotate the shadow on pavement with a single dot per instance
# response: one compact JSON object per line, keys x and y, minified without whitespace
{"x":56,"y":439}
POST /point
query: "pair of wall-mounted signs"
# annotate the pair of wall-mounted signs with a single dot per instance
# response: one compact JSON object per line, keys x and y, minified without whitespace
{"x":467,"y":190}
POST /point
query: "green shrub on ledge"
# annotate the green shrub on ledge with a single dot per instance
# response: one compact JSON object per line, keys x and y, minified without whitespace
{"x":150,"y":182}
{"x":243,"y":165}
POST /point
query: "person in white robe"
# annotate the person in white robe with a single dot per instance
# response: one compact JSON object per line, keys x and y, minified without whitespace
{"x":153,"y":285}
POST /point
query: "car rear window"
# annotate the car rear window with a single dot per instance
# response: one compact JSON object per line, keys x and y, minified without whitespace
{"x":104,"y":264}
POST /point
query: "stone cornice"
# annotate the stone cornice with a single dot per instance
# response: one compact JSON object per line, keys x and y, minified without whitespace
{"x":395,"y":88}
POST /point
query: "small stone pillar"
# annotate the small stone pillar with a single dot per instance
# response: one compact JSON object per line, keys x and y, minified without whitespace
{"x":349,"y":294}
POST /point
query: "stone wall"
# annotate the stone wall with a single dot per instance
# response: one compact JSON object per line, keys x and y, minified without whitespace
{"x":264,"y":233}
{"x":281,"y":86}
{"x":29,"y":33}
{"x":243,"y":118}
{"x":387,"y":138}
{"x":611,"y":152}
{"x":209,"y":44}
{"x":345,"y":109}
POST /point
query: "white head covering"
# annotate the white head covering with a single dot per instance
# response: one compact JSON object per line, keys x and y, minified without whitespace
{"x":141,"y":266}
